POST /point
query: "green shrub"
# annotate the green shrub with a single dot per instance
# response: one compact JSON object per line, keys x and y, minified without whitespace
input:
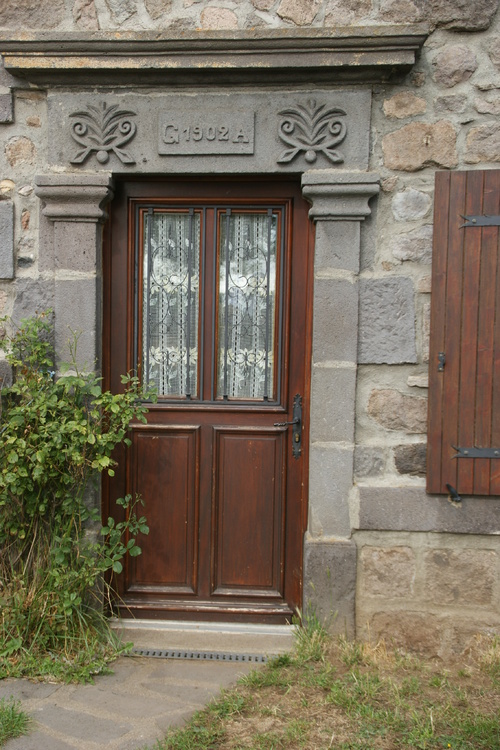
{"x":57,"y":434}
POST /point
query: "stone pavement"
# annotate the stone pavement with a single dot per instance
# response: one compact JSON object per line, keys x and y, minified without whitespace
{"x":133,"y":707}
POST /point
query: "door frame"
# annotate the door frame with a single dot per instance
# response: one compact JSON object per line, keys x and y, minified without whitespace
{"x":123,"y":285}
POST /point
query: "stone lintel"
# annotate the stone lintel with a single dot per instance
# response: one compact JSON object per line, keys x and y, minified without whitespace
{"x":412,"y":509}
{"x":74,"y":197}
{"x":368,"y":54}
{"x":339,"y":196}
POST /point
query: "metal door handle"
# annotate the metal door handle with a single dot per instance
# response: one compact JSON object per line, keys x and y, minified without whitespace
{"x":297,"y":426}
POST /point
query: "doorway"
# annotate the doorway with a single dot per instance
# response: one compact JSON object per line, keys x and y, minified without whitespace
{"x":207,"y":295}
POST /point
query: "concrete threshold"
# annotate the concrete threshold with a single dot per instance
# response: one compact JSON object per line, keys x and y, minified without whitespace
{"x":237,"y":638}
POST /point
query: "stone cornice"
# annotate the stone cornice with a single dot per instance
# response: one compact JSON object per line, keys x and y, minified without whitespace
{"x":74,"y":197}
{"x":357,"y":54}
{"x":339,"y":196}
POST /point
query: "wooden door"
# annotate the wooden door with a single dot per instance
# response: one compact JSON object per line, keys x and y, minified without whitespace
{"x":206,"y":294}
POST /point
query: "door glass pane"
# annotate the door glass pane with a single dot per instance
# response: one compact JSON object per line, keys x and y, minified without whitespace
{"x":171,"y":306}
{"x":247,"y":304}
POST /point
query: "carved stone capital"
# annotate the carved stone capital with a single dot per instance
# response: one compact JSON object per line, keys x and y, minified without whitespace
{"x":339,"y":196}
{"x":74,"y":197}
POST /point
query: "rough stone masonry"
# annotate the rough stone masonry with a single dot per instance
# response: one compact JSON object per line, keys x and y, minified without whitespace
{"x":426,"y":573}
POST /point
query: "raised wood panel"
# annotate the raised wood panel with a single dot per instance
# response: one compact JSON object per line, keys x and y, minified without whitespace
{"x":248,"y":511}
{"x":166,"y":461}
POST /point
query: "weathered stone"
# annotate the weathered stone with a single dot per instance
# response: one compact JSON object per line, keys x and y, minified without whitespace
{"x":389,"y":184}
{"x":263,"y":4}
{"x":3,"y":302}
{"x":418,"y":381}
{"x":456,"y":103}
{"x":420,"y":145}
{"x":5,"y":376}
{"x":25,"y":219}
{"x":413,"y":246}
{"x":25,"y":190}
{"x":218,"y":18}
{"x":33,"y":121}
{"x":32,"y":296}
{"x":412,"y":509}
{"x":6,"y":107}
{"x":121,"y":10}
{"x":301,"y":12}
{"x":85,"y":15}
{"x":409,"y":205}
{"x":335,"y":320}
{"x":424,"y":284}
{"x":31,"y":14}
{"x":20,"y":150}
{"x":411,"y":459}
{"x":404,"y":104}
{"x":331,"y":568}
{"x":329,"y":487}
{"x":402,"y":11}
{"x":158,"y":8}
{"x":419,"y":632}
{"x":463,"y":577}
{"x":332,"y":418}
{"x":488,"y":106}
{"x":342,"y":12}
{"x":462,"y":14}
{"x":386,"y":321}
{"x":388,"y":572}
{"x":396,"y":411}
{"x":426,"y":330}
{"x":494,"y":51}
{"x":368,"y":461}
{"x":483,"y":143}
{"x":456,"y":63}
{"x":417,"y":78}
{"x":6,"y":240}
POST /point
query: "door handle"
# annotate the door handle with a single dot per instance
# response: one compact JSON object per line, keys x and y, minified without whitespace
{"x":297,"y":426}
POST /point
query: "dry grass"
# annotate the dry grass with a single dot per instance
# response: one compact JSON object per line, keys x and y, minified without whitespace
{"x":352,"y":696}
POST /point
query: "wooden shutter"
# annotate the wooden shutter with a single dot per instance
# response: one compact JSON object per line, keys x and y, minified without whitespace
{"x":464,"y":362}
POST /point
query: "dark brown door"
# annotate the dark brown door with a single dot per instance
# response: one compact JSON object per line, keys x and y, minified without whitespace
{"x":207,"y":295}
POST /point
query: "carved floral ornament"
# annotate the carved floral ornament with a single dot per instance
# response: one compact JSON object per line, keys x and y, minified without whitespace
{"x":102,"y":130}
{"x":313,"y":129}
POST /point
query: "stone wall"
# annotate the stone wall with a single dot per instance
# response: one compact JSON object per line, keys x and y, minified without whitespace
{"x":428,"y":571}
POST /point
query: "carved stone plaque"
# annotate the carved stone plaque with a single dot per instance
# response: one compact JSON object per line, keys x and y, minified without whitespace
{"x":206,"y":132}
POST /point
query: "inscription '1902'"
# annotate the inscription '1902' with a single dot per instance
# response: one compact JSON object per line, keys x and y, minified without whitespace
{"x":228,"y":133}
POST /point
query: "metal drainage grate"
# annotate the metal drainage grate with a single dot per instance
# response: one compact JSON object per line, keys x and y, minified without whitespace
{"x":161,"y":653}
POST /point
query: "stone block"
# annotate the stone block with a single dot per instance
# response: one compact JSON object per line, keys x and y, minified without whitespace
{"x":32,"y":295}
{"x":337,"y":246}
{"x":412,"y":509}
{"x":25,"y":14}
{"x":387,"y":571}
{"x":6,"y":107}
{"x":456,"y":103}
{"x":415,"y":246}
{"x":420,"y":145}
{"x":76,"y":314}
{"x":455,"y":64}
{"x":411,"y":459}
{"x":6,"y":240}
{"x":401,"y":11}
{"x":386,"y":321}
{"x":335,"y":320}
{"x":218,"y":18}
{"x":19,"y":151}
{"x":404,"y":104}
{"x":75,"y":245}
{"x":463,"y":577}
{"x":488,"y":106}
{"x":329,"y":591}
{"x":410,"y":205}
{"x":121,"y":10}
{"x":483,"y":143}
{"x":75,"y":724}
{"x":343,"y":12}
{"x":462,"y":14}
{"x":330,"y":482}
{"x":85,"y":15}
{"x":396,"y":411}
{"x":300,"y":12}
{"x":332,"y":404}
{"x":368,"y":461}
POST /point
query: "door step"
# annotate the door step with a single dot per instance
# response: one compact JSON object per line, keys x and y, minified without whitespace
{"x":233,"y":640}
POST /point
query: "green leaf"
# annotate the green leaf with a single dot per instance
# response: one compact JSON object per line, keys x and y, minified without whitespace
{"x":117,"y":566}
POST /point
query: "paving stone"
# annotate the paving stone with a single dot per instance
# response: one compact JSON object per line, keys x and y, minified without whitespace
{"x":80,"y":725}
{"x":37,"y":740}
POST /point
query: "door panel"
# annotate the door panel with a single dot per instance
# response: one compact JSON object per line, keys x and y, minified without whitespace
{"x":205,"y":283}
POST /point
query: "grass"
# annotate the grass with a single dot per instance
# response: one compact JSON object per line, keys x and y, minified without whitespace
{"x":14,"y":722}
{"x":342,"y":695}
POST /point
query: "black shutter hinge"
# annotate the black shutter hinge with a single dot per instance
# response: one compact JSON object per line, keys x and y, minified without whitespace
{"x":442,"y":361}
{"x":480,"y":221}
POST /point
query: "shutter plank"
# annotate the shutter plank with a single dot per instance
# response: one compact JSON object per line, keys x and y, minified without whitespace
{"x":438,"y":310}
{"x":494,"y":182}
{"x":469,"y":332}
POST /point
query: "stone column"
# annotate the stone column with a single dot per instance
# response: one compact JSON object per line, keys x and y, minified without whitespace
{"x":71,"y":239}
{"x":339,"y":205}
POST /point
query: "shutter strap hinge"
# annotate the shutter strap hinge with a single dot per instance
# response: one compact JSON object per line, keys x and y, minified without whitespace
{"x":480,"y":221}
{"x":442,"y":361}
{"x":476,"y":452}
